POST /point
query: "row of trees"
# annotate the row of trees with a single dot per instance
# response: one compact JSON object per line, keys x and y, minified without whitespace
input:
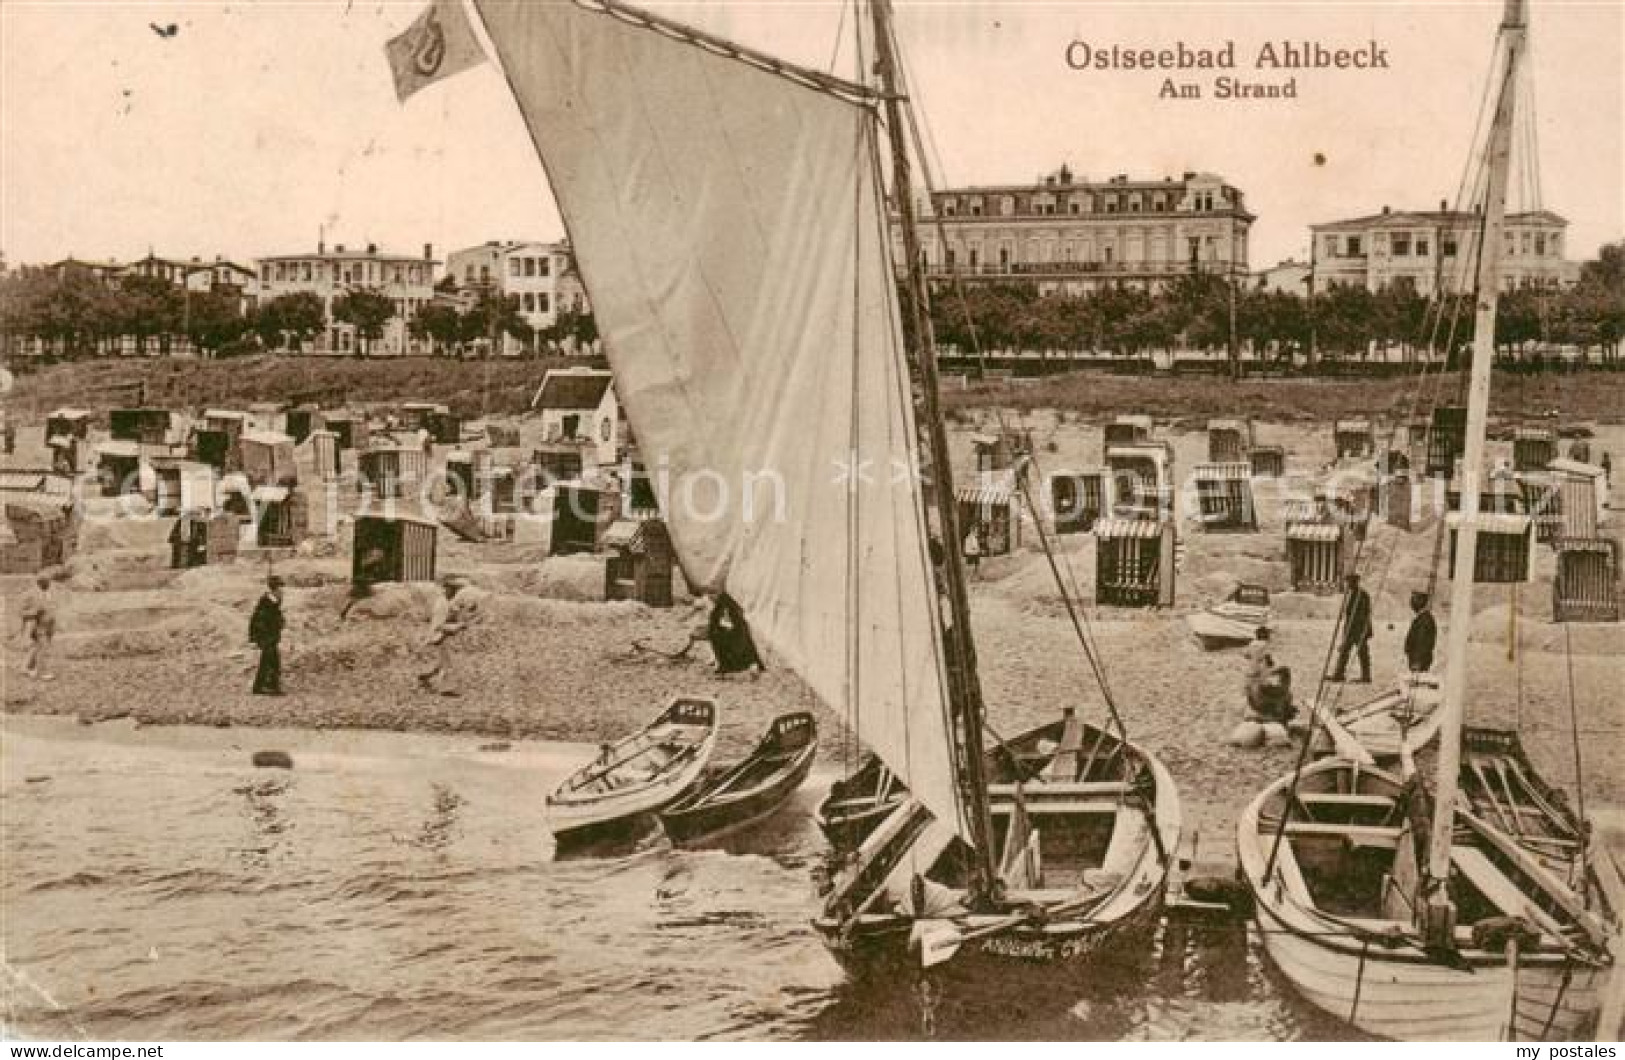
{"x":1342,"y":322}
{"x":77,"y":313}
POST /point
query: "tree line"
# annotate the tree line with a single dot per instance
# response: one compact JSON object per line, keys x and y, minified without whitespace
{"x":74,"y":313}
{"x":1339,"y":323}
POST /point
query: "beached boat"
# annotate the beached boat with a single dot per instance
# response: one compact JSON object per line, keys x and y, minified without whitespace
{"x":638,"y":775}
{"x":1387,"y":728}
{"x":1233,"y":621}
{"x":751,"y":790}
{"x":1402,"y":910}
{"x":856,"y":804}
{"x":1084,"y":822}
{"x":730,"y":222}
{"x":1335,"y":863}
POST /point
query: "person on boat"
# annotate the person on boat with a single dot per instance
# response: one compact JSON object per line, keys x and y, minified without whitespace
{"x":1356,"y":631}
{"x":39,"y":627}
{"x":450,"y":616}
{"x":730,"y":638}
{"x":1422,"y":635}
{"x":265,"y":633}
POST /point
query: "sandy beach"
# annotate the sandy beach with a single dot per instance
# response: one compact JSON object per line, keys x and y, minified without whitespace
{"x":550,"y":660}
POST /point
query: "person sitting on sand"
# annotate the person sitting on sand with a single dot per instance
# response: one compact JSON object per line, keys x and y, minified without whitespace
{"x":1269,"y":684}
{"x":449,"y":617}
{"x":730,"y":638}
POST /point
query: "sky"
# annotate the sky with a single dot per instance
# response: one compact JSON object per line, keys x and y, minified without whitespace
{"x":260,"y":126}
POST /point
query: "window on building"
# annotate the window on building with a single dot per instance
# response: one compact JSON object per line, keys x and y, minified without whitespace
{"x":975,"y":257}
{"x":514,"y":265}
{"x":1355,"y":247}
{"x":527,"y":301}
{"x":948,"y":258}
{"x":1106,"y":255}
{"x":541,"y":301}
{"x":1194,"y":244}
{"x":1007,"y":205}
{"x":1074,"y":206}
{"x":544,"y":266}
{"x":307,"y":271}
{"x":1447,"y":247}
{"x":1133,"y":204}
{"x":1421,"y":248}
{"x":468,"y":273}
{"x":1111,"y":204}
{"x":485,"y":274}
{"x":1540,"y":243}
{"x":976,"y":209}
{"x":1401,"y":245}
{"x":1004,"y":257}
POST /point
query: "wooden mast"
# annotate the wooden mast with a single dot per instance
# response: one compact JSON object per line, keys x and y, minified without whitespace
{"x":1439,"y":914}
{"x":964,"y":685}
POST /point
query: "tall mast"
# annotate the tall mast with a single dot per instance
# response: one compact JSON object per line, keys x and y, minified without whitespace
{"x":1438,"y":911}
{"x":964,"y":686}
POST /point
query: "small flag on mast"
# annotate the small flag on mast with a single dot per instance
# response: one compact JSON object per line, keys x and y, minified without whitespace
{"x":436,"y":46}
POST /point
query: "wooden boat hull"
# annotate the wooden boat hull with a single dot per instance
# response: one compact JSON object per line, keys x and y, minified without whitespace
{"x":1215,"y":631}
{"x":1392,"y":724}
{"x":575,"y":816}
{"x":1129,"y":902}
{"x":695,"y":817}
{"x":1385,"y":984}
{"x":846,"y":828}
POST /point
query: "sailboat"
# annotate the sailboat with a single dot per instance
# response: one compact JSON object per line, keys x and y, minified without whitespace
{"x":730,"y":221}
{"x":1400,"y":909}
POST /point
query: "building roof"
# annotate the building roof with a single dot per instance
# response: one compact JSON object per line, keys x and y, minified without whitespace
{"x":572,"y":390}
{"x":1411,"y":218}
{"x":350,"y":255}
{"x":266,"y":438}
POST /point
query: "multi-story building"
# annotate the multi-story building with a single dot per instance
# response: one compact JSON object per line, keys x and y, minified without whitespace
{"x":1435,"y":250}
{"x":541,"y":276}
{"x":1071,"y":236}
{"x":1285,"y":277}
{"x":329,"y":274}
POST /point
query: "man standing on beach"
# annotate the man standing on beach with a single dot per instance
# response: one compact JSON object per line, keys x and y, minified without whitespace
{"x":39,"y":626}
{"x":1356,"y":631}
{"x":265,"y":633}
{"x":1420,"y":638}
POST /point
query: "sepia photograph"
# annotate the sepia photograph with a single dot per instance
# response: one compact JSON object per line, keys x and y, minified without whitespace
{"x":811,"y":520}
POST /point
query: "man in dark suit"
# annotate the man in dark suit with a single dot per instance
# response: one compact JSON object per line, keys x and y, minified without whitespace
{"x":1422,"y":635}
{"x":265,"y":633}
{"x":1356,"y":631}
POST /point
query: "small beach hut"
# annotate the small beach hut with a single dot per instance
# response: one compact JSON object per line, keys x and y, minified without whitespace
{"x":345,"y":427}
{"x":140,"y":426}
{"x":1586,"y":588}
{"x":1229,"y":441}
{"x":1447,"y":440}
{"x":640,"y":562}
{"x":1224,"y":497}
{"x":1127,"y":430}
{"x":1134,"y":562}
{"x":267,"y":458}
{"x":392,"y":548}
{"x":582,"y":515}
{"x":301,"y":421}
{"x":42,"y":533}
{"x":1543,"y":503}
{"x":1584,"y":488}
{"x":280,"y":514}
{"x":324,"y":454}
{"x":995,"y":452}
{"x":558,"y":462}
{"x":1402,"y":502}
{"x":1532,"y":448}
{"x":1078,"y":498}
{"x":201,"y":537}
{"x":118,"y":467}
{"x":989,"y":509}
{"x":1268,"y":461}
{"x":1505,"y":548}
{"x":67,"y":433}
{"x":1317,"y":556}
{"x":169,"y":475}
{"x":1352,"y":438}
{"x":1142,"y":480}
{"x":417,"y":415}
{"x":390,"y":471}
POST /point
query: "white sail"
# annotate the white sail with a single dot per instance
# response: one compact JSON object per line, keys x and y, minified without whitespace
{"x":728,"y":224}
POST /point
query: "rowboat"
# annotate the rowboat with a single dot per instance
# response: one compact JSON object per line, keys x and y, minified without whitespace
{"x":1334,"y":913}
{"x":749,"y":791}
{"x":640,"y":774}
{"x":857,"y":804}
{"x":1083,"y":820}
{"x":1233,"y":621}
{"x":1388,"y":727}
